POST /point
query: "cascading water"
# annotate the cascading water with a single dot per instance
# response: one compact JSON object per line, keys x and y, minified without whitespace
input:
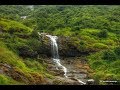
{"x":55,"y":54}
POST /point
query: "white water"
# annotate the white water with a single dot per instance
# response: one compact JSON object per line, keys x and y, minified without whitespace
{"x":81,"y":82}
{"x":55,"y":54}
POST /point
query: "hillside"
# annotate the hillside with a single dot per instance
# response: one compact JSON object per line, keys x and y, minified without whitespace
{"x":88,"y":36}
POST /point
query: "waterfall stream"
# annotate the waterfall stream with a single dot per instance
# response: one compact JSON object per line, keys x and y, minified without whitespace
{"x":55,"y":54}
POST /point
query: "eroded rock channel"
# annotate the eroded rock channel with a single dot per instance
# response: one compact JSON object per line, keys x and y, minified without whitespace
{"x":78,"y":72}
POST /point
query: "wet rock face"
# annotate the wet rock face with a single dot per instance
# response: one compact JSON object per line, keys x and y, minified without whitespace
{"x":91,"y":82}
{"x":72,"y":53}
{"x":25,"y":51}
{"x":64,"y":81}
{"x":66,"y":47}
{"x":45,"y":48}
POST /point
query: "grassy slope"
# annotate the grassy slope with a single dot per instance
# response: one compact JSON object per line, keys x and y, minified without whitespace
{"x":13,"y":26}
{"x":23,"y":71}
{"x":84,"y":39}
{"x":30,"y":69}
{"x":104,"y":70}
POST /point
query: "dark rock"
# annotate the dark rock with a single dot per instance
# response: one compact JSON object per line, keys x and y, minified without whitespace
{"x":1,"y":72}
{"x":65,"y":81}
{"x":6,"y":65}
{"x":66,"y":47}
{"x":25,"y":51}
{"x":90,"y":82}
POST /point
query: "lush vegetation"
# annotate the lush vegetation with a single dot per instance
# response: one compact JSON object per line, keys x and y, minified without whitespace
{"x":94,"y":30}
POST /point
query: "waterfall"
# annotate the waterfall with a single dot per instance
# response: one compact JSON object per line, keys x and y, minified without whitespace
{"x":55,"y":54}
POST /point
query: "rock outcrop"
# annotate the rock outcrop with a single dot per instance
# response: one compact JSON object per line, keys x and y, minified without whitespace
{"x":66,"y":46}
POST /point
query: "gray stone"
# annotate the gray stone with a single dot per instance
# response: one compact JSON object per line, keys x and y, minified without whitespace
{"x":1,"y":71}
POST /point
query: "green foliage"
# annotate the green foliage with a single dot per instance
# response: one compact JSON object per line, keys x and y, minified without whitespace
{"x":34,"y":34}
{"x":26,"y":51}
{"x":104,"y":70}
{"x":117,"y":51}
{"x":82,"y":46}
{"x":63,"y":32}
{"x":13,"y":26}
{"x":88,"y":29}
{"x":115,"y":64}
{"x":109,"y":55}
{"x":108,"y":42}
{"x":26,"y":69}
{"x":8,"y":57}
{"x":103,"y":34}
{"x":30,"y":22}
{"x":97,"y":64}
{"x":35,"y":65}
{"x":59,"y":16}
{"x":5,"y":80}
{"x":100,"y":46}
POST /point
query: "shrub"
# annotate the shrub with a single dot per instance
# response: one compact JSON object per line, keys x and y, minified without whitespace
{"x":76,"y":28}
{"x":109,"y":55}
{"x":34,"y":34}
{"x":117,"y":51}
{"x":63,"y":32}
{"x":108,"y":42}
{"x":103,"y":34}
{"x":100,"y":46}
{"x":13,"y":26}
{"x":88,"y":39}
{"x":82,"y":46}
{"x":34,"y":44}
{"x":26,"y":51}
{"x":115,"y":64}
{"x":97,"y":64}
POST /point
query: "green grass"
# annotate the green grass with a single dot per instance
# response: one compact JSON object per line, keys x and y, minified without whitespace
{"x":29,"y":69}
{"x":63,"y":32}
{"x":104,"y":70}
{"x":8,"y":57}
{"x":5,"y":80}
{"x":13,"y":26}
{"x":100,"y":46}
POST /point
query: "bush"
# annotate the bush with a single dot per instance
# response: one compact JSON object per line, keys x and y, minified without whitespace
{"x":82,"y":46}
{"x":109,"y":55}
{"x":97,"y":64}
{"x":117,"y":51}
{"x":76,"y":28}
{"x":103,"y":34}
{"x":34,"y":34}
{"x":13,"y":26}
{"x":34,"y":44}
{"x":25,"y":51}
{"x":63,"y":32}
{"x":100,"y":46}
